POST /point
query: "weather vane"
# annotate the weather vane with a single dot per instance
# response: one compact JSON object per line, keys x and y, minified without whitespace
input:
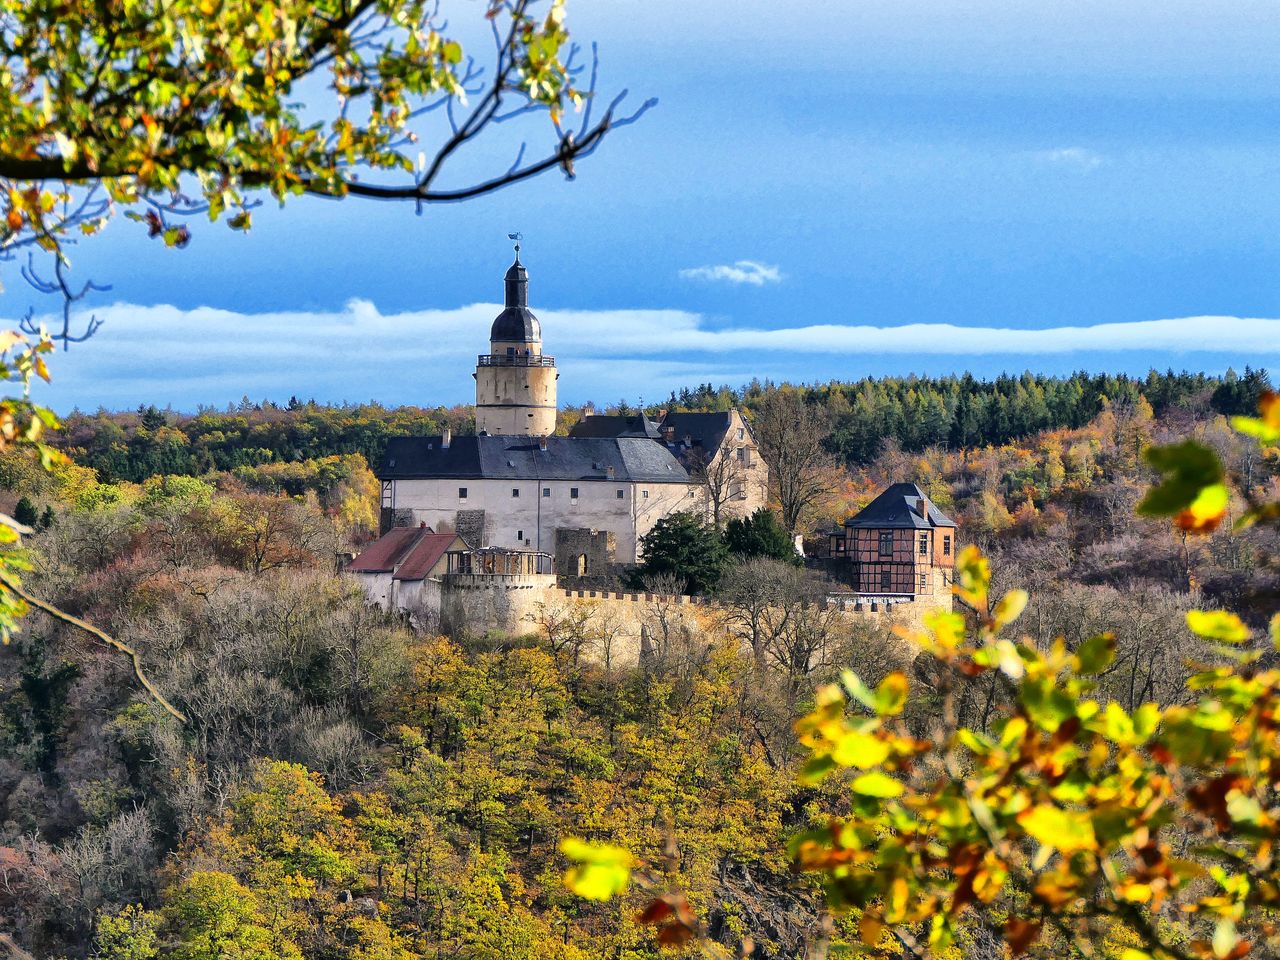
{"x":517,"y":237}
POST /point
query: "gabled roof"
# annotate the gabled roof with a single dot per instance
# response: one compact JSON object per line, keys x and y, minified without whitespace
{"x":522,"y":458}
{"x":383,"y":554}
{"x":898,"y":508}
{"x":705,"y":430}
{"x":425,"y":554}
{"x":614,"y":426}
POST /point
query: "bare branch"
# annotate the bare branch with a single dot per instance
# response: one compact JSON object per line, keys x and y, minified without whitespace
{"x":61,"y":615}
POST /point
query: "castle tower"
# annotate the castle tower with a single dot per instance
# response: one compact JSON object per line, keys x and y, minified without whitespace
{"x":515,"y":383}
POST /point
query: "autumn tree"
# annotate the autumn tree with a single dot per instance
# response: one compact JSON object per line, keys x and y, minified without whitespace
{"x":792,"y":436}
{"x":722,"y":478}
{"x":1056,"y":823}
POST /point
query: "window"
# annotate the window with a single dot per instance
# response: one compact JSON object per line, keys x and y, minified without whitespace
{"x":462,"y":493}
{"x":742,"y":454}
{"x":515,"y":491}
{"x":573,"y":494}
{"x":520,"y":536}
{"x":511,"y":351}
{"x":924,"y":584}
{"x":946,"y":544}
{"x":886,"y":580}
{"x":741,"y":433}
{"x":546,"y":491}
{"x":645,"y":494}
{"x":886,"y":543}
{"x":388,"y":494}
{"x":622,"y":494}
{"x":924,"y":544}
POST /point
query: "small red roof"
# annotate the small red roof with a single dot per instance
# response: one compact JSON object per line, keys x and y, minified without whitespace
{"x":383,"y":554}
{"x":424,"y":555}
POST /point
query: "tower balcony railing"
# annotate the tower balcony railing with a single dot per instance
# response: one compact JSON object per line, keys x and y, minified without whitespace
{"x":514,"y":360}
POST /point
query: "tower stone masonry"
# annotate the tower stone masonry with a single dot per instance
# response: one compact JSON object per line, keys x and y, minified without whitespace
{"x":515,"y":382}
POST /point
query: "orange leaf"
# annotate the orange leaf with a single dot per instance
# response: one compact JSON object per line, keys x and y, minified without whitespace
{"x":1020,"y":934}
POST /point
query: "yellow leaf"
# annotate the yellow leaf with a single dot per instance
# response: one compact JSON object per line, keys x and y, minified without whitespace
{"x":1010,"y":607}
{"x":1206,"y":510}
{"x":861,"y":750}
{"x":1063,"y":830}
{"x":876,"y":784}
{"x":602,"y":870}
{"x":1217,"y":625}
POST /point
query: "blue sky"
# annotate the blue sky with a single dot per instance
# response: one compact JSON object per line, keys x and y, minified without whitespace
{"x":885,"y":168}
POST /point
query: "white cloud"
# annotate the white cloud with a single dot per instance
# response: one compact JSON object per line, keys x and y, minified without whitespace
{"x":1077,"y":158}
{"x":164,"y":354}
{"x":742,"y":271}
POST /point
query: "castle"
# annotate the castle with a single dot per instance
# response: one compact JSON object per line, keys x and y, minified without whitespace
{"x":490,"y":531}
{"x":585,"y":499}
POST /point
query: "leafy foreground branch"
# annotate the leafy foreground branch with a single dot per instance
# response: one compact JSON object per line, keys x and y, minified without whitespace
{"x":1075,"y":827}
{"x":187,"y":108}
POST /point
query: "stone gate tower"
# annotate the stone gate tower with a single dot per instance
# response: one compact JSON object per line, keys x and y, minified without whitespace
{"x":515,"y":383}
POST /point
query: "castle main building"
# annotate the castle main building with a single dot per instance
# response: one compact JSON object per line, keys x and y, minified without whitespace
{"x":587,"y":498}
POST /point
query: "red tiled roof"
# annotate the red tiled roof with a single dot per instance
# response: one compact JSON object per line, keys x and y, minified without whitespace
{"x":424,"y":555}
{"x":383,"y":554}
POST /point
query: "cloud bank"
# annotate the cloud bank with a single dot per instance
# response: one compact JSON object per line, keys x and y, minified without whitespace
{"x":164,"y":354}
{"x":742,"y":271}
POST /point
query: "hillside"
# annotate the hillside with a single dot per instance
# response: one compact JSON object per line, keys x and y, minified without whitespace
{"x":346,"y":788}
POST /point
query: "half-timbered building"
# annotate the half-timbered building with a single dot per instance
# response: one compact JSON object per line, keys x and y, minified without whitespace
{"x":901,"y":545}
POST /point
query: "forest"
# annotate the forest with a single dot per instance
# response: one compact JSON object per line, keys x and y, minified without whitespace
{"x":340,"y":786}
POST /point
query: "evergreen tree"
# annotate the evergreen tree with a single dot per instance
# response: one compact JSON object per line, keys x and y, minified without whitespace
{"x":683,"y":545}
{"x":759,"y":535}
{"x":25,"y":512}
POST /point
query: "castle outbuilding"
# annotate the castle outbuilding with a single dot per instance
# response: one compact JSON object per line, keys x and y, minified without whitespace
{"x":901,"y":546}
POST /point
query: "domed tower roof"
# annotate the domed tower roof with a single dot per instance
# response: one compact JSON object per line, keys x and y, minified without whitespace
{"x":516,"y":323}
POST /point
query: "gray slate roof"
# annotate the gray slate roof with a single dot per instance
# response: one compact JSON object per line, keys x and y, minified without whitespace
{"x":895,"y":509}
{"x":705,"y":430}
{"x":615,"y":425}
{"x":520,"y":458}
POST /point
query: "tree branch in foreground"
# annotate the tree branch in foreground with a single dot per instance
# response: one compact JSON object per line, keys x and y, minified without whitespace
{"x":10,"y":584}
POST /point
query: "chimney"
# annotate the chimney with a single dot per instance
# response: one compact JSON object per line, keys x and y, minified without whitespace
{"x":588,"y":409}
{"x":446,"y":438}
{"x":609,"y":472}
{"x":422,"y":525}
{"x":542,"y":443}
{"x":923,"y":505}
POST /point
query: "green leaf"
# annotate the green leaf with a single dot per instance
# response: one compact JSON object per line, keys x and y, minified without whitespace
{"x":602,"y":872}
{"x":1188,"y":468}
{"x":854,"y":686}
{"x":891,"y":694}
{"x":876,"y":784}
{"x":1217,"y":625}
{"x":1096,"y":654}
